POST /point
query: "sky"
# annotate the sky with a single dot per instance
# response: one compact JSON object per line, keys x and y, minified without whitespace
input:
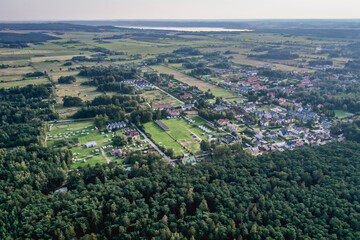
{"x":28,"y":10}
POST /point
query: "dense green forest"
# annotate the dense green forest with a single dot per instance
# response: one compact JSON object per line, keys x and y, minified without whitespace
{"x":310,"y":193}
{"x":22,"y":105}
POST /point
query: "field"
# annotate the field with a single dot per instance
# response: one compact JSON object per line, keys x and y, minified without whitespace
{"x":85,"y":132}
{"x":23,"y":83}
{"x":157,"y":97}
{"x":183,"y":137}
{"x":342,"y":114}
{"x":202,"y":85}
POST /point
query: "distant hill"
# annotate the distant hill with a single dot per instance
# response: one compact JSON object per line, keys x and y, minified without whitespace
{"x":56,"y":26}
{"x":9,"y":38}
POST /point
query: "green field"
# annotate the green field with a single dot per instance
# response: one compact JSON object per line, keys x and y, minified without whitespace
{"x":23,"y":83}
{"x":86,"y":133}
{"x":342,"y":114}
{"x":202,"y":85}
{"x":179,"y":137}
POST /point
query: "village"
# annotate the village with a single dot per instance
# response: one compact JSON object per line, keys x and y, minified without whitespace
{"x":264,"y":115}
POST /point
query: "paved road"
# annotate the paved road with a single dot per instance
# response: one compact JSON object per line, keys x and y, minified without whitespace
{"x":152,"y":144}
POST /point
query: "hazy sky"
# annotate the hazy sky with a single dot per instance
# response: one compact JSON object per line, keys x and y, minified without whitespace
{"x":14,"y":10}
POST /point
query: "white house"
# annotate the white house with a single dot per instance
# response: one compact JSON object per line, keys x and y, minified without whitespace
{"x":90,"y":144}
{"x":186,"y":107}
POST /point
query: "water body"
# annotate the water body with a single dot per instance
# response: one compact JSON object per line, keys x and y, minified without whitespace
{"x":189,"y":29}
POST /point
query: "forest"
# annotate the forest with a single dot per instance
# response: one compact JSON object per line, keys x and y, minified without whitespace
{"x":309,"y":193}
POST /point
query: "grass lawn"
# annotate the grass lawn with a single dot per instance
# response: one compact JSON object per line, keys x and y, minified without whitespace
{"x":342,"y":114}
{"x":162,"y":138}
{"x":180,"y":134}
{"x":23,"y":83}
{"x":85,"y":131}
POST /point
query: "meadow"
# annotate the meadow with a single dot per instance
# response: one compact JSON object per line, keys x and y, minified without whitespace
{"x":157,"y":97}
{"x":342,"y":114}
{"x":202,"y":85}
{"x":183,"y":137}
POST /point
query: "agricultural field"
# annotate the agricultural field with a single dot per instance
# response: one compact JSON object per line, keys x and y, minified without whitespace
{"x":183,"y":137}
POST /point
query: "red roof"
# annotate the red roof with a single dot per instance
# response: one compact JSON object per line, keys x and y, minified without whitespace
{"x":223,"y":121}
{"x":186,"y":95}
{"x":162,"y":125}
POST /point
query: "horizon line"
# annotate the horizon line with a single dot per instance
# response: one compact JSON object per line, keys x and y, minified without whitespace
{"x":205,"y":19}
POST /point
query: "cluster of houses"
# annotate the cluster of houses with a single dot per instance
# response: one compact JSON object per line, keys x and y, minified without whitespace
{"x":293,"y":137}
{"x":116,"y":125}
{"x":132,"y":133}
{"x":274,"y":121}
{"x":139,"y":84}
{"x":204,"y":129}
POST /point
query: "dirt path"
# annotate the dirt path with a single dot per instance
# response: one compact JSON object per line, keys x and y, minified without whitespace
{"x":104,"y":155}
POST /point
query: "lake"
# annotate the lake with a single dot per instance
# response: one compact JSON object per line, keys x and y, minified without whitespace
{"x":188,"y":29}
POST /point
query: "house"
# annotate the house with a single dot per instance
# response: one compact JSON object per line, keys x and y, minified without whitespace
{"x":189,"y":160}
{"x":223,"y":122}
{"x":186,"y":96}
{"x":283,"y":131}
{"x":186,"y":107}
{"x":264,"y":122}
{"x":232,"y":127}
{"x":132,"y":133}
{"x":272,"y":135}
{"x":174,"y":112}
{"x":135,"y":136}
{"x":271,"y":94}
{"x":115,"y":152}
{"x":220,"y":108}
{"x":90,"y":144}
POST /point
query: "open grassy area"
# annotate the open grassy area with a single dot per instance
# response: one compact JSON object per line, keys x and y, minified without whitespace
{"x":22,"y":83}
{"x":182,"y":135}
{"x":85,"y":92}
{"x":157,"y":97}
{"x":342,"y":114}
{"x":202,"y":85}
{"x":85,"y":131}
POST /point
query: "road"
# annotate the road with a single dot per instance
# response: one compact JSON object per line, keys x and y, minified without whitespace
{"x":152,"y":144}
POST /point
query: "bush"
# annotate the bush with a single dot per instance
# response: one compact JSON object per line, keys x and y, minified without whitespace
{"x":66,"y":80}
